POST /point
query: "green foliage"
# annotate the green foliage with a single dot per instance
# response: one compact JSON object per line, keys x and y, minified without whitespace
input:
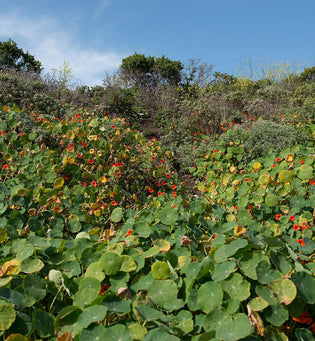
{"x":14,"y":57}
{"x":100,"y":240}
{"x":142,"y":71}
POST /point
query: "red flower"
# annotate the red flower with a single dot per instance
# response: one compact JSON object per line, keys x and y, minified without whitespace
{"x":83,"y":144}
{"x":304,"y":318}
{"x":93,"y":183}
{"x":84,"y":183}
{"x":91,"y":162}
{"x":296,"y":227}
{"x":113,"y":127}
{"x":301,"y":242}
{"x":312,"y":182}
{"x":292,"y":218}
{"x":80,"y":155}
{"x":273,"y":166}
{"x":151,"y":190}
{"x":128,"y":233}
{"x":278,"y":159}
{"x":301,"y":162}
{"x":161,"y":160}
{"x":173,"y":187}
{"x":6,"y":166}
{"x":236,"y":207}
{"x":278,"y":216}
{"x":113,"y":203}
{"x":160,"y":193}
{"x":169,"y":176}
{"x":77,"y":115}
{"x":248,"y":179}
{"x":164,"y":183}
{"x":103,"y":289}
{"x":174,"y":195}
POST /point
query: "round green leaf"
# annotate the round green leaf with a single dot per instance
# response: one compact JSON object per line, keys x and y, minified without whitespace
{"x":162,"y":291}
{"x":168,"y":215}
{"x":85,"y":297}
{"x":110,"y":263}
{"x":7,"y":316}
{"x":96,"y":332}
{"x":31,"y":265}
{"x":306,"y":172}
{"x":271,"y":200}
{"x":286,"y":176}
{"x":276,"y":314}
{"x":116,"y":215}
{"x":284,"y":290}
{"x":92,"y":314}
{"x":117,"y":332}
{"x":142,"y":229}
{"x":158,"y":334}
{"x":210,"y":296}
{"x":43,"y":323}
{"x":305,"y":284}
{"x":236,"y":287}
{"x":95,"y":270}
{"x":137,"y":331}
{"x":223,"y":270}
{"x":214,"y":319}
{"x":258,"y":304}
{"x":128,"y":264}
{"x":234,"y":329}
{"x":35,"y":286}
{"x":89,"y":282}
{"x":160,"y":270}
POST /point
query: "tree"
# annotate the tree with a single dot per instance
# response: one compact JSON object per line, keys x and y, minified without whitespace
{"x":141,"y":71}
{"x":14,"y":57}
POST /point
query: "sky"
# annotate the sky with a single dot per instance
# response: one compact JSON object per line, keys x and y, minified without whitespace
{"x":93,"y":36}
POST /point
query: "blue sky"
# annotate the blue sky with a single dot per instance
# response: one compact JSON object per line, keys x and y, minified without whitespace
{"x":94,"y":35}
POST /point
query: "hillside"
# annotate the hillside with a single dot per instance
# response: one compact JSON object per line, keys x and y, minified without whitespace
{"x":204,"y":232}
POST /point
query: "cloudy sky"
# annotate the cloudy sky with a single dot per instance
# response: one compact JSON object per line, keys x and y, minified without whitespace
{"x":94,"y":35}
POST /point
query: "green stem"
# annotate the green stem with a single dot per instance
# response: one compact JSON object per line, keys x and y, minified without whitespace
{"x":52,"y":303}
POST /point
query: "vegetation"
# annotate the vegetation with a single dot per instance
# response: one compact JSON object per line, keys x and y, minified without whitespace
{"x":14,"y":57}
{"x":203,"y":233}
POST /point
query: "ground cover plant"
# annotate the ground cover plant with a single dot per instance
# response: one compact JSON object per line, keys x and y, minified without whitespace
{"x":99,"y":238}
{"x":204,"y":232}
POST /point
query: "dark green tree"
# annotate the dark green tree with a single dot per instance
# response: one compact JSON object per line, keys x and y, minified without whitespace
{"x":14,"y":57}
{"x":141,"y":71}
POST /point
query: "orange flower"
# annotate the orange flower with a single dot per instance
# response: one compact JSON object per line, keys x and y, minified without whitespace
{"x":93,"y":183}
{"x":113,"y":203}
{"x":296,"y":227}
{"x":304,"y":318}
{"x":301,"y":242}
{"x":278,"y":159}
{"x":6,"y":166}
{"x":278,"y":216}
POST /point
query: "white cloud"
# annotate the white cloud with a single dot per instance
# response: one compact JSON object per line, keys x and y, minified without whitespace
{"x":52,"y":45}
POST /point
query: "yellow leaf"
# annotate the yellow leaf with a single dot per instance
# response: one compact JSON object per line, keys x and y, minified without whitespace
{"x":162,"y":244}
{"x":10,"y":267}
{"x":58,"y":184}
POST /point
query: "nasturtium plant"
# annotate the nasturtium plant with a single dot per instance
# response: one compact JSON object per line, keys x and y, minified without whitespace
{"x":101,"y":238}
